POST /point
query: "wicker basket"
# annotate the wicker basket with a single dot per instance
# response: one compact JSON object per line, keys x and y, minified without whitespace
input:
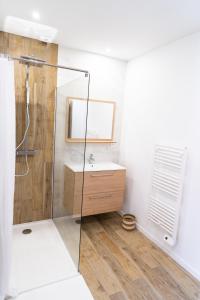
{"x":129,"y":222}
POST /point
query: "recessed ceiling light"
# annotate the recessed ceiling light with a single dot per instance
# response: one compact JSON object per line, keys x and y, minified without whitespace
{"x":36,"y":15}
{"x":108,"y":50}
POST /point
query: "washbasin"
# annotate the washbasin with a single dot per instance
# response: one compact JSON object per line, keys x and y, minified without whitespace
{"x":101,"y":166}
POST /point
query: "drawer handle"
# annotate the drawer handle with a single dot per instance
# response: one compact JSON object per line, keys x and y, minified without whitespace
{"x":101,"y":175}
{"x":100,"y":197}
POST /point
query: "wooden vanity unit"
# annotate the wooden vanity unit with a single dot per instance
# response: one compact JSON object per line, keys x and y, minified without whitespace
{"x":103,"y":190}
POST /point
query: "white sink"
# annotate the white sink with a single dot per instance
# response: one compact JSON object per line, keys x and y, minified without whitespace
{"x":103,"y":166}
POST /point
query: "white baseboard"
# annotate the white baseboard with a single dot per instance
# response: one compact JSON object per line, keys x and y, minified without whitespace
{"x":171,"y":253}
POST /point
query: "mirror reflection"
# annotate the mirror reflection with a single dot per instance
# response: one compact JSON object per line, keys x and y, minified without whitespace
{"x":100,"y":124}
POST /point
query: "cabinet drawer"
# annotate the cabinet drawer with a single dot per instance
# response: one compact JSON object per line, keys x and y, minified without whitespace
{"x":97,"y":182}
{"x":102,"y":202}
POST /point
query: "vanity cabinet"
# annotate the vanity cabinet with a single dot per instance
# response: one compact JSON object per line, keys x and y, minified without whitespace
{"x":103,"y":191}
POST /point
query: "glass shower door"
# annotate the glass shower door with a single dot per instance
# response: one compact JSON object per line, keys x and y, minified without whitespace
{"x":69,"y":160}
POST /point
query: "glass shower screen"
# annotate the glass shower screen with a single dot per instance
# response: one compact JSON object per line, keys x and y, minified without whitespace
{"x":69,"y":162}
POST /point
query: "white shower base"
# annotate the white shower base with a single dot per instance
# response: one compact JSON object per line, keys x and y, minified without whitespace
{"x":39,"y":258}
{"x":73,"y":289}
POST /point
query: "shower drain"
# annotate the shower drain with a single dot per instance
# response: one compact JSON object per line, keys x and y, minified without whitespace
{"x":26,"y":231}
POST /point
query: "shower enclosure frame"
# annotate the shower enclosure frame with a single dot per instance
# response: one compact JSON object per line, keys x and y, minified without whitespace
{"x":35,"y":62}
{"x":31,"y":60}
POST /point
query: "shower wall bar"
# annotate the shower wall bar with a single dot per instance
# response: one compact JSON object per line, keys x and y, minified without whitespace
{"x":38,"y":62}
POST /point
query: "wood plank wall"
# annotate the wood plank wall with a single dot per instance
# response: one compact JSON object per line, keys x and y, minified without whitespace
{"x":33,"y":193}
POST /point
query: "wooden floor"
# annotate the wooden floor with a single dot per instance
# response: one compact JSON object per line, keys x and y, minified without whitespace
{"x":120,"y":265}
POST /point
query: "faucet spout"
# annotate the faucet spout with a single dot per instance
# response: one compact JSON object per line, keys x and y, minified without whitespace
{"x":91,"y":159}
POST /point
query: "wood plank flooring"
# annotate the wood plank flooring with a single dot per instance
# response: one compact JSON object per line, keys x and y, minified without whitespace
{"x":121,"y":265}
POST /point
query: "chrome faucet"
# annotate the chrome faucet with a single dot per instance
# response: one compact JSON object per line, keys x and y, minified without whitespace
{"x":91,"y":159}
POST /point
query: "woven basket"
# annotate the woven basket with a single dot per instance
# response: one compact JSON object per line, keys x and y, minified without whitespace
{"x":129,"y":222}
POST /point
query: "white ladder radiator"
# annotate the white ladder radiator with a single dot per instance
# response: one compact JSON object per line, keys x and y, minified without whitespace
{"x":167,"y":188}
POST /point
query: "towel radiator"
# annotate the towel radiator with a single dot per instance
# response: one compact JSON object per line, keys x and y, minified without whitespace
{"x":167,"y":189}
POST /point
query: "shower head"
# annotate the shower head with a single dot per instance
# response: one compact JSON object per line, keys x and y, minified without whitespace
{"x":32,"y":61}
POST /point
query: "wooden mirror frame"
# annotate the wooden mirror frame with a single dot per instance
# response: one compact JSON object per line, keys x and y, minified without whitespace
{"x":90,"y":140}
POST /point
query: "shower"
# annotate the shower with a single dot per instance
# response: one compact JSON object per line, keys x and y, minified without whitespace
{"x":27,"y":61}
{"x":37,"y":206}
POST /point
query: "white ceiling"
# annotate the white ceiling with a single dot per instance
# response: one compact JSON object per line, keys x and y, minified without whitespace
{"x":128,"y":27}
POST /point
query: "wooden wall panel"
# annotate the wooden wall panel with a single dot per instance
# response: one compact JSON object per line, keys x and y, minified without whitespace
{"x":33,"y":193}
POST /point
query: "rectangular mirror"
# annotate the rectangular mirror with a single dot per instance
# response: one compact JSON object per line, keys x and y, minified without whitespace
{"x":100,"y":123}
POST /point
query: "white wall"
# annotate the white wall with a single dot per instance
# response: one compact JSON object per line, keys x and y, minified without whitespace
{"x":162,"y":105}
{"x":107,"y":83}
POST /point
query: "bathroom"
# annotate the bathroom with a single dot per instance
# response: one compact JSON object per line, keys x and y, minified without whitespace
{"x":99,"y":144}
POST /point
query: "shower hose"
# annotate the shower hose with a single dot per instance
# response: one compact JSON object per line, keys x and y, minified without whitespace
{"x":27,"y":124}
